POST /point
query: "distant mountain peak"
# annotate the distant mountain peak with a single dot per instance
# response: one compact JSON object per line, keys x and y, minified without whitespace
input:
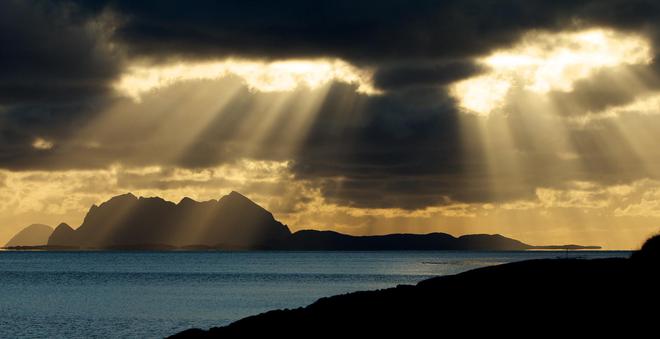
{"x":236,"y":195}
{"x":186,"y":200}
{"x":237,"y":198}
{"x":121,"y":198}
{"x":33,"y":235}
{"x":64,"y":225}
{"x":234,"y":221}
{"x":63,"y":235}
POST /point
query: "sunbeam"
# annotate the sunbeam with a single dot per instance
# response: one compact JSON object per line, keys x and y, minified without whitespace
{"x":546,"y":61}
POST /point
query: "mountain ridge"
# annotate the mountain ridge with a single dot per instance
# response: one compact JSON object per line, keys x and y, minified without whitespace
{"x":234,"y":222}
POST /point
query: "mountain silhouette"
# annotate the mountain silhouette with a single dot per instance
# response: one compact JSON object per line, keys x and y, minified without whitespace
{"x":33,"y":235}
{"x":616,"y":297}
{"x":63,"y":235}
{"x":232,"y":222}
{"x":235,"y":222}
{"x":310,"y":240}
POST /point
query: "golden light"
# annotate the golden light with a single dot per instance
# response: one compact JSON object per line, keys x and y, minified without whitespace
{"x":646,"y":105}
{"x":529,"y":121}
{"x":544,"y":61}
{"x":283,"y":101}
{"x":42,"y":144}
{"x":260,"y":76}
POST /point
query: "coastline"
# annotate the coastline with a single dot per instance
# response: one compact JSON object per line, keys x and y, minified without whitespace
{"x":558,"y":295}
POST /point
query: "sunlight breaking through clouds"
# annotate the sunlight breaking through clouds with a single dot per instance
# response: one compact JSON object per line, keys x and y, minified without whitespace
{"x":538,"y":120}
{"x":619,"y":211}
{"x":277,"y":76}
{"x":544,"y":61}
{"x":647,"y":105}
{"x":42,"y":144}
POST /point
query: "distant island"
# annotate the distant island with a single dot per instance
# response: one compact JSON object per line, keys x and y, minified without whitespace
{"x":549,"y":297}
{"x":233,"y":222}
{"x":31,"y":236}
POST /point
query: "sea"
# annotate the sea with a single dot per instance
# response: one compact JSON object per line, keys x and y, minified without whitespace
{"x":155,"y":294}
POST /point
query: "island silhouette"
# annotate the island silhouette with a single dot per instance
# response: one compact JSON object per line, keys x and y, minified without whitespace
{"x":550,"y":297}
{"x":233,"y":222}
{"x":33,"y":235}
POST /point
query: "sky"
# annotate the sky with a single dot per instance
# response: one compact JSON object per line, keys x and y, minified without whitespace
{"x":538,"y":120}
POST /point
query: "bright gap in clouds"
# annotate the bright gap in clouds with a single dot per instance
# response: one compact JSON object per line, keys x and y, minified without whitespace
{"x":544,"y":61}
{"x":42,"y":144}
{"x":258,"y":76}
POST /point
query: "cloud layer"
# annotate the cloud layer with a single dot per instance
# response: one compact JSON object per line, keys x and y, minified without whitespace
{"x":358,"y":99}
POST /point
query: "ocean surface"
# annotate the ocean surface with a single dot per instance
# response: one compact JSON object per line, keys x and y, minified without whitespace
{"x":155,"y":294}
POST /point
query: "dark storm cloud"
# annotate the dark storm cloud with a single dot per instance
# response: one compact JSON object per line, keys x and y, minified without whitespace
{"x":622,"y":14}
{"x":51,"y":53}
{"x":402,"y":149}
{"x":354,"y":30}
{"x":423,"y":74}
{"x":408,"y":43}
{"x":56,"y":69}
{"x":22,"y":124}
{"x":60,"y":49}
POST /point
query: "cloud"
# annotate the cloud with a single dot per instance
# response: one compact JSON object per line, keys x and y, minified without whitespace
{"x":543,"y":62}
{"x":72,"y":64}
{"x":617,"y":216}
{"x":354,"y":31}
{"x":258,"y":76}
{"x":42,"y":144}
{"x":607,"y":89}
{"x":53,"y":53}
{"x":397,"y":76}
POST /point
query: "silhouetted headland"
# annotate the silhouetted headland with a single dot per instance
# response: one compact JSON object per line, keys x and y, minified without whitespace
{"x":558,"y":297}
{"x":234,"y":222}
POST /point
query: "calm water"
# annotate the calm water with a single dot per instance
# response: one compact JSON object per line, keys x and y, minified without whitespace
{"x":154,"y":294}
